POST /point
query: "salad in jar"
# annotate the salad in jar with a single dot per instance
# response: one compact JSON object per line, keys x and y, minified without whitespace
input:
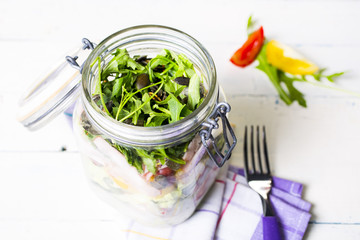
{"x":159,"y":185}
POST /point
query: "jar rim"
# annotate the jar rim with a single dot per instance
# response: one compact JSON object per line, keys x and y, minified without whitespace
{"x":158,"y":135}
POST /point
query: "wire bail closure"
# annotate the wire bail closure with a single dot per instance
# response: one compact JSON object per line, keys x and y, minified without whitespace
{"x":87,"y":44}
{"x":208,"y":139}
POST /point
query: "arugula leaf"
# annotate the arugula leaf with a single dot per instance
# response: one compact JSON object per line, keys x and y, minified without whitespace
{"x":119,"y":60}
{"x":147,"y":107}
{"x":293,"y":93}
{"x":185,"y":112}
{"x":156,"y":119}
{"x":137,"y":110}
{"x":272,"y":73}
{"x":148,"y":160}
{"x":194,"y":92}
{"x":318,"y":75}
{"x":133,"y":64}
{"x":331,"y":78}
{"x":162,"y":152}
{"x":117,"y":87}
{"x":175,"y":109}
{"x":131,"y":157}
{"x":250,"y":23}
{"x":334,"y":75}
{"x":111,"y":68}
{"x":164,"y":110}
{"x":188,"y":66}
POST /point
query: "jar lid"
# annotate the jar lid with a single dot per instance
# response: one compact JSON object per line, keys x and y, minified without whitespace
{"x":52,"y":93}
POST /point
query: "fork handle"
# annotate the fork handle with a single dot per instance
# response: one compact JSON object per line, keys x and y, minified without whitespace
{"x":271,"y":230}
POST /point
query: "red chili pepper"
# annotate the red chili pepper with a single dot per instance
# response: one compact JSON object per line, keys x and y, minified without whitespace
{"x":251,"y":48}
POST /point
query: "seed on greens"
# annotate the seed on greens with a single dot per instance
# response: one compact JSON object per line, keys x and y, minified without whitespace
{"x":143,"y":60}
{"x":142,"y":81}
{"x":153,"y":88}
{"x":127,"y":121}
{"x":163,"y":96}
{"x":182,"y":81}
{"x":159,"y":68}
{"x":140,"y":122}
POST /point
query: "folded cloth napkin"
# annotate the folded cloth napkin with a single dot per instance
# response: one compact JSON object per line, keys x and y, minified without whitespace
{"x":231,"y":210}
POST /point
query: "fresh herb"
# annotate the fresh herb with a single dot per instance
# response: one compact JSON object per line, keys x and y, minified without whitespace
{"x":131,"y":91}
{"x":148,"y":92}
{"x":287,"y":92}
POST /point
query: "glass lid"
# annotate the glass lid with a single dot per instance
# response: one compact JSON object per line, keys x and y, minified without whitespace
{"x":53,"y":92}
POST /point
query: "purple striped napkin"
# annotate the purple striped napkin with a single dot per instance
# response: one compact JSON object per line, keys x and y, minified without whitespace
{"x":292,"y":211}
{"x":232,"y":211}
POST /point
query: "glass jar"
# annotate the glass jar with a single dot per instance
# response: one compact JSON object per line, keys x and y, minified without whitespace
{"x":107,"y":146}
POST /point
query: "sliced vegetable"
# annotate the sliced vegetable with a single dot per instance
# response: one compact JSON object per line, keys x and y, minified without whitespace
{"x":249,"y":51}
{"x":288,"y":60}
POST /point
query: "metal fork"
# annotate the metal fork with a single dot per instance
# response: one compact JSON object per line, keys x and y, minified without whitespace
{"x":260,"y":180}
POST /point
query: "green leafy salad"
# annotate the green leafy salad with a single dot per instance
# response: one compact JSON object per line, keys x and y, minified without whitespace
{"x":149,"y":92}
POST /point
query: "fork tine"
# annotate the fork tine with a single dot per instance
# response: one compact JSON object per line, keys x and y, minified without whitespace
{"x":258,"y":148}
{"x":246,"y":166}
{"x":252,"y":149}
{"x":266,"y":152}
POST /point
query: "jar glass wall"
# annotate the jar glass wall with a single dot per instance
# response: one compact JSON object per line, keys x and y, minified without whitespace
{"x":171,"y":194}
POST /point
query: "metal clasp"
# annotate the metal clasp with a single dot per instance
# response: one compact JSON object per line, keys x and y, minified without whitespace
{"x":87,"y":44}
{"x":208,"y":139}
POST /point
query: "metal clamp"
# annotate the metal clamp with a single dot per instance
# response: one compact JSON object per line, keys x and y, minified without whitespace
{"x":87,"y":44}
{"x":208,"y":139}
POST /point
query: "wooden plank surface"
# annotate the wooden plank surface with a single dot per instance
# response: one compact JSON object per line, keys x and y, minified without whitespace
{"x":44,"y":190}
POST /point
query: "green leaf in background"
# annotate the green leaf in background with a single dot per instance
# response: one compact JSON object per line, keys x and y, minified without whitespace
{"x":272,"y":73}
{"x":293,"y":93}
{"x":250,"y":25}
{"x":332,"y":77}
{"x":318,"y":75}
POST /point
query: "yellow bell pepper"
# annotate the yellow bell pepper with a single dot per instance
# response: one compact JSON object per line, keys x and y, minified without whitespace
{"x":288,"y":60}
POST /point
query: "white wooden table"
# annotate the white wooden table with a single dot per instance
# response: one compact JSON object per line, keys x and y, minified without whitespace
{"x":44,"y":193}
